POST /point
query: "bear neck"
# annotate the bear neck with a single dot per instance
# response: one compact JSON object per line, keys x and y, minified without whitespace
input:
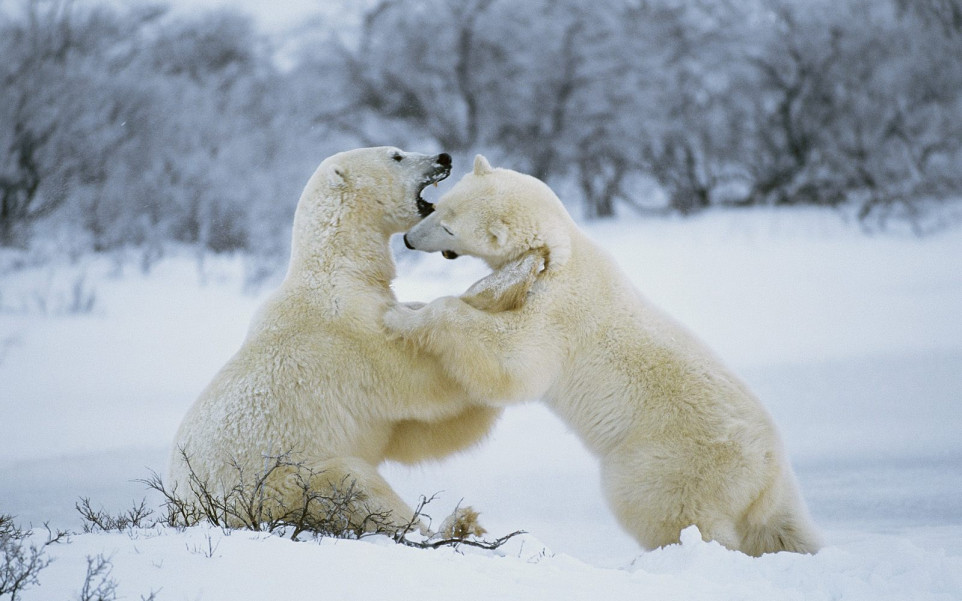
{"x":333,"y":250}
{"x":556,"y":236}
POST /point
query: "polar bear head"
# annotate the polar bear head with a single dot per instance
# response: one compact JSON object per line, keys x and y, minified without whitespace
{"x":382,"y":186}
{"x":499,"y":216}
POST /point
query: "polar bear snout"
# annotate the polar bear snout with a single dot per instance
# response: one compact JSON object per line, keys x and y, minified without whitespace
{"x":440,"y":168}
{"x":447,"y":254}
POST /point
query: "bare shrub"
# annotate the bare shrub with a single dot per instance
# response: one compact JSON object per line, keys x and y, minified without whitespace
{"x":82,"y":297}
{"x":22,"y":562}
{"x":252,"y":504}
{"x":98,"y":585}
{"x":339,"y":511}
{"x":102,"y":521}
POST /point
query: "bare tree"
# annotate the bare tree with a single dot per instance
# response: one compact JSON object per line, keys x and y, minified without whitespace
{"x":131,"y":125}
{"x":422,"y":75}
{"x":34,"y":51}
{"x":946,"y":14}
{"x":20,"y":204}
{"x":853,"y":109}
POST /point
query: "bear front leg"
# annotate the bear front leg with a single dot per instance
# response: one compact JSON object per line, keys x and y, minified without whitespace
{"x":507,"y":288}
{"x":405,"y":321}
{"x":502,"y":358}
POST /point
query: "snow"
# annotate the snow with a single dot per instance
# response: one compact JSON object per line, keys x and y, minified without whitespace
{"x":853,"y":341}
{"x":213,"y":566}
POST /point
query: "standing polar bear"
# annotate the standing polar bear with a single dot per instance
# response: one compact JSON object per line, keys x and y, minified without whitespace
{"x":680,"y":439}
{"x":317,"y":377}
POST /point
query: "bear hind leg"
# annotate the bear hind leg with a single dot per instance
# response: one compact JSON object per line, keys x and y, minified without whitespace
{"x":778,"y":521}
{"x":343,"y":494}
{"x":791,"y":533}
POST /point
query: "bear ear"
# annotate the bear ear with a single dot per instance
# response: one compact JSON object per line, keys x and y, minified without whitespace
{"x":499,"y":232}
{"x":336,"y":176}
{"x":481,"y":165}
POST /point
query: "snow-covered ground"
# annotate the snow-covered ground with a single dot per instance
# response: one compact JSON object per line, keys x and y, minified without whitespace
{"x":854,"y":342}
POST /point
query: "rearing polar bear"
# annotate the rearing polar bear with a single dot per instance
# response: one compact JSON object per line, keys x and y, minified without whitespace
{"x":316,"y":376}
{"x":681,"y":439}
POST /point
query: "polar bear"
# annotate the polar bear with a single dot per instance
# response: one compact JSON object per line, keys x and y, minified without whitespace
{"x":316,"y":379}
{"x":680,"y":439}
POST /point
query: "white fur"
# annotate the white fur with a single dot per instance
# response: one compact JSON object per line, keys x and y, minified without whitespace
{"x":680,"y":438}
{"x":316,"y":375}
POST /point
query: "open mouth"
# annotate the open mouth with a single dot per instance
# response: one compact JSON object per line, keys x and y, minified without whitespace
{"x":449,"y":254}
{"x":442,"y":169}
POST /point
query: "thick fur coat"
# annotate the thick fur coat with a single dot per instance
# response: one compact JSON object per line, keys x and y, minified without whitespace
{"x":681,"y":440}
{"x":317,"y":378}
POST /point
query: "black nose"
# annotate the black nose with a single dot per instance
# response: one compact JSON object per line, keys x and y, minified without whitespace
{"x":406,"y":243}
{"x":444,"y":159}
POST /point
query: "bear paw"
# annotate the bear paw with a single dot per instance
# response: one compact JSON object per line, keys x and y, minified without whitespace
{"x":406,"y":320}
{"x":401,"y":319}
{"x":462,"y":523}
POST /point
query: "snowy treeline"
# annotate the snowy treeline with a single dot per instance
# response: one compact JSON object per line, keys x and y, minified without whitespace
{"x":141,"y":125}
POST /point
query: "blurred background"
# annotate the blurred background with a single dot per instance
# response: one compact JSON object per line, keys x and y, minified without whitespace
{"x":146,"y":125}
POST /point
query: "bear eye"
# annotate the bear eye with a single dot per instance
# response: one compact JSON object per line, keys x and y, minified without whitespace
{"x":397,"y":157}
{"x":446,"y":230}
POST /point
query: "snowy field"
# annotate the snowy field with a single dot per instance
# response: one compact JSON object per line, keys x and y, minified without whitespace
{"x":854,"y":342}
